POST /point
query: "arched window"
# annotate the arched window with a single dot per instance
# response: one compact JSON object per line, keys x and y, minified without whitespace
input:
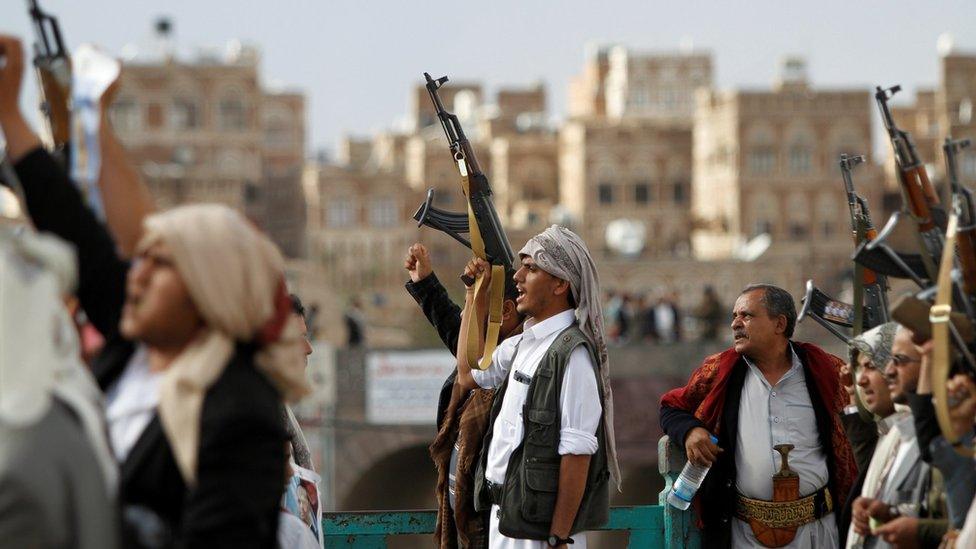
{"x":828,"y":221}
{"x":800,"y":151}
{"x":126,"y":115}
{"x":761,"y":152}
{"x":232,"y":112}
{"x":279,"y":127}
{"x":763,"y":206}
{"x":799,"y":216}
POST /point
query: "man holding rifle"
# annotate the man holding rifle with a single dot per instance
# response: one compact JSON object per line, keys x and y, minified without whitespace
{"x":544,"y":475}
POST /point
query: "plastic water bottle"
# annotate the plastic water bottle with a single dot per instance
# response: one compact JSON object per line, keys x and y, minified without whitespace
{"x":688,"y":483}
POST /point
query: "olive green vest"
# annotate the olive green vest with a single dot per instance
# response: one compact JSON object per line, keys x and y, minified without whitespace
{"x":532,"y":478}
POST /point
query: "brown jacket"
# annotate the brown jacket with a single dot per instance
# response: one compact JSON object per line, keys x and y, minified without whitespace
{"x":465,"y":422}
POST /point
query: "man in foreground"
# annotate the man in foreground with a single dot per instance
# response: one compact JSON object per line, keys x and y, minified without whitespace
{"x":544,"y":475}
{"x":764,"y":392}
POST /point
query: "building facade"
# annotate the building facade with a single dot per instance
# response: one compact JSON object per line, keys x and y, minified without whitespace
{"x":205,"y":130}
{"x":766,"y":165}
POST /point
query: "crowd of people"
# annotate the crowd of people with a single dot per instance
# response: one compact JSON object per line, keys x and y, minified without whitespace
{"x":641,"y":318}
{"x":806,"y":455}
{"x":177,"y":432}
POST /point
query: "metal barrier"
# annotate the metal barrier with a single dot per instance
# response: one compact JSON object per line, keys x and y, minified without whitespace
{"x":648,"y":526}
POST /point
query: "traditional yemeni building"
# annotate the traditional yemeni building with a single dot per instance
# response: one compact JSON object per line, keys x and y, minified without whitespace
{"x":629,"y":169}
{"x":359,"y":229}
{"x":655,"y":86}
{"x":205,"y":130}
{"x":766,"y":163}
{"x":617,"y":82}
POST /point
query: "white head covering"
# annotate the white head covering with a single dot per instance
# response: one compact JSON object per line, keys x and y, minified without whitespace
{"x":40,"y":355}
{"x":876,"y":344}
{"x":563,"y":254}
{"x":235,"y":277}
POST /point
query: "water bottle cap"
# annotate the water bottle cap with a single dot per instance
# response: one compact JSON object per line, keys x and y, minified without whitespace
{"x":714,"y":439}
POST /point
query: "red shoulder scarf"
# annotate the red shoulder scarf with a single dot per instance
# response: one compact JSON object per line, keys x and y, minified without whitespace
{"x":704,"y":395}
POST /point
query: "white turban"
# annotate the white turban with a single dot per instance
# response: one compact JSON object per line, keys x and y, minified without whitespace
{"x":235,"y":277}
{"x":40,"y":356}
{"x":561,"y":253}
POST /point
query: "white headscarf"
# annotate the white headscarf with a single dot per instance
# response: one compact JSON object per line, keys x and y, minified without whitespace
{"x":40,"y":356}
{"x":563,"y":254}
{"x":235,"y":277}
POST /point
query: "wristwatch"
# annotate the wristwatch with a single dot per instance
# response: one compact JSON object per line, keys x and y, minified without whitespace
{"x":556,"y":541}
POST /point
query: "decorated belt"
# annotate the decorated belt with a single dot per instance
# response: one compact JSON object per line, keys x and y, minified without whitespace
{"x":785,"y":514}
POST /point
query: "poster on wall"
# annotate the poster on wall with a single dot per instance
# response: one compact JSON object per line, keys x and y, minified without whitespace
{"x":402,"y":386}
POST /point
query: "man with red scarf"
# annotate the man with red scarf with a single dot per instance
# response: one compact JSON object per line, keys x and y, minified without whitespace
{"x":765,"y":391}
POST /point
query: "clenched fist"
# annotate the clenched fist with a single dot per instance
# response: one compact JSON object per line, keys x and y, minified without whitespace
{"x":417,"y":263}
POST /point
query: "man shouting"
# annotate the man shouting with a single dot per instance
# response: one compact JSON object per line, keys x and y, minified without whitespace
{"x":549,"y":453}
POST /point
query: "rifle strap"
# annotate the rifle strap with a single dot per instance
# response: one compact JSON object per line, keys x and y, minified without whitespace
{"x":939,"y":316}
{"x":496,"y":286}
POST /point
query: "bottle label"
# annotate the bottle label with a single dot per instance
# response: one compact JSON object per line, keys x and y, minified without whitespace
{"x":682,"y":490}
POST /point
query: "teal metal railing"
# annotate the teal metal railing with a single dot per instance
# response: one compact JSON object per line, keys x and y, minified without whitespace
{"x":648,"y":526}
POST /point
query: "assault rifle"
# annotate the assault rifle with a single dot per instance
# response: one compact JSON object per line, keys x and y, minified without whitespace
{"x":54,"y":72}
{"x":497,"y":248}
{"x":966,"y":235}
{"x":919,"y":195}
{"x":486,"y":237}
{"x":870,"y":307}
{"x":870,"y":288}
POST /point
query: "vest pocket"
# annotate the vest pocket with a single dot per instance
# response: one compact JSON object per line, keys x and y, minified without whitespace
{"x":541,"y":485}
{"x":540,"y":427}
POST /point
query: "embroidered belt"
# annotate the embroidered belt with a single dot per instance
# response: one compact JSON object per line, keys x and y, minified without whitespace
{"x":785,"y":514}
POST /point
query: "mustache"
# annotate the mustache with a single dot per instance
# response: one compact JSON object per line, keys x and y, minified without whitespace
{"x":738,"y":333}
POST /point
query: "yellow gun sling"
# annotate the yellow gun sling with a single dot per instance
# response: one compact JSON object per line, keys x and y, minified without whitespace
{"x":496,"y":286}
{"x":941,"y":351}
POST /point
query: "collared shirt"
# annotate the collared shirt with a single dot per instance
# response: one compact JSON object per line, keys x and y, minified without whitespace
{"x":579,"y":400}
{"x":131,"y":403}
{"x":780,"y":414}
{"x":905,"y":425}
{"x":894,"y":430}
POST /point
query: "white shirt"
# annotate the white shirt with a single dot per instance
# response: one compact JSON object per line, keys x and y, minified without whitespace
{"x":294,"y":534}
{"x":579,"y":405}
{"x":131,"y":403}
{"x":780,"y":414}
{"x":905,"y":425}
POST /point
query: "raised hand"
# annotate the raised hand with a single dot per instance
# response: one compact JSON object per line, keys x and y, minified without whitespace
{"x":962,"y":403}
{"x":417,"y":262}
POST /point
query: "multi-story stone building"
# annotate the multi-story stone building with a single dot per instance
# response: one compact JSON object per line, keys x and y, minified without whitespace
{"x":618,"y":82}
{"x":766,"y":163}
{"x":205,"y":130}
{"x":630,"y":169}
{"x":655,"y":86}
{"x":359,"y":229}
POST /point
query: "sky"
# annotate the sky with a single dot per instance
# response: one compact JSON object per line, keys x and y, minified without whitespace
{"x":357,"y":61}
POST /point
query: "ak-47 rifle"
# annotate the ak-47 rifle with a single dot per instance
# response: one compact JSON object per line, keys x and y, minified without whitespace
{"x":486,"y":237}
{"x":496,"y":245}
{"x":870,"y":288}
{"x":870,"y":307}
{"x":920,"y":198}
{"x":54,"y":72}
{"x":966,"y":237}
